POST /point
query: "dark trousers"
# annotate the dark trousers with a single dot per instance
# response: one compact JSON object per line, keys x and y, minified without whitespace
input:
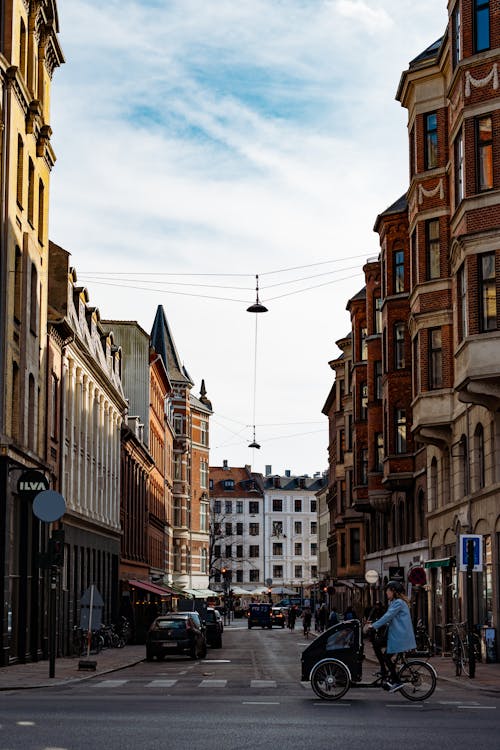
{"x":387,"y":665}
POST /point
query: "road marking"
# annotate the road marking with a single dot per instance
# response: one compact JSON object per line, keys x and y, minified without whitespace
{"x":217,"y":661}
{"x":260,"y":703}
{"x":213,"y":683}
{"x":111,"y":683}
{"x":161,"y":683}
{"x":481,"y":707}
{"x":263,"y":683}
{"x":404,"y":705}
{"x":450,"y":703}
{"x":331,"y":703}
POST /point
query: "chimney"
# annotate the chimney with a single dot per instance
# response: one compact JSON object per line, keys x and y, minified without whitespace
{"x":269,"y":470}
{"x":287,"y":472}
{"x":224,"y":465}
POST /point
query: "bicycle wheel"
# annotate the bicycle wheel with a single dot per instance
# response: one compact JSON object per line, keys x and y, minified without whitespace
{"x":419,"y":680}
{"x":330,"y":680}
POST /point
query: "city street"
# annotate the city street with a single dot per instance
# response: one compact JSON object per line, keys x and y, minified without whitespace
{"x":244,"y":695}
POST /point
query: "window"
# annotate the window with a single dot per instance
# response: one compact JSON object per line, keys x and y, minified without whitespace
{"x":228,"y":551}
{"x":414,"y":258}
{"x":459,"y":169}
{"x":54,"y":383}
{"x":228,"y":529}
{"x":253,"y":507}
{"x":379,"y":451}
{"x":313,"y":506}
{"x":432,"y":248}
{"x":31,"y":413}
{"x":33,"y":299}
{"x":18,"y":289}
{"x":277,"y":571}
{"x":364,"y":466}
{"x":484,"y":150}
{"x":314,"y":527}
{"x":456,"y":36}
{"x":253,"y":550}
{"x":228,"y":484}
{"x":217,"y":506}
{"x":481,"y":21}
{"x":254,"y":576}
{"x":462,"y":303}
{"x":277,"y":505}
{"x":239,"y":576}
{"x":487,"y":292}
{"x":297,"y":571}
{"x":297,"y":549}
{"x":435,"y":359}
{"x":314,"y":548}
{"x":41,"y":211}
{"x":217,"y":551}
{"x":431,"y":141}
{"x":22,"y":49}
{"x":314,"y":571}
{"x":228,"y":505}
{"x":253,"y":529}
{"x":399,"y":346}
{"x":342,"y":551}
{"x":20,"y":170}
{"x":364,"y":350}
{"x":399,"y":271}
{"x":363,"y":412}
{"x":203,"y":560}
{"x":277,"y":528}
{"x":31,"y":190}
{"x":377,"y":315}
{"x":464,"y":463}
{"x":239,"y":529}
{"x":204,"y":433}
{"x":377,"y":376}
{"x":355,"y":546}
{"x":239,"y":551}
{"x":400,"y":419}
{"x":341,"y":446}
{"x":239,"y":506}
{"x":297,"y":504}
{"x":203,"y":474}
{"x":203,"y":516}
{"x":277,"y":548}
{"x":479,"y":456}
{"x":298,"y":527}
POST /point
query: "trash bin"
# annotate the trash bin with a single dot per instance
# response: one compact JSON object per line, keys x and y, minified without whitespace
{"x":488,"y":645}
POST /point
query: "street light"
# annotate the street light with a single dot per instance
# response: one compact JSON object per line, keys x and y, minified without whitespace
{"x":257,"y":307}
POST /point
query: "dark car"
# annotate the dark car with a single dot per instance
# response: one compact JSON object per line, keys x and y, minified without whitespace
{"x":176,"y":633}
{"x":259,"y":615}
{"x":342,"y":641}
{"x":278,"y":616}
{"x":213,"y":627}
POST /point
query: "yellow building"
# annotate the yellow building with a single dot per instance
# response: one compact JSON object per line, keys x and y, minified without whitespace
{"x":29,"y":55}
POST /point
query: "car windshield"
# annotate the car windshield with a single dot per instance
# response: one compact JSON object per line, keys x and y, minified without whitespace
{"x":210,"y":617}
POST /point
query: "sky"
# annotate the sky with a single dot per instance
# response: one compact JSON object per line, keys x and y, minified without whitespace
{"x":201,"y":143}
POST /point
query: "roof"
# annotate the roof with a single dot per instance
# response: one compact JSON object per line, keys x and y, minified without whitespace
{"x":295,"y":483}
{"x":199,"y":405}
{"x":398,"y":207}
{"x":429,"y":54}
{"x":247,"y":483}
{"x":164,"y":344}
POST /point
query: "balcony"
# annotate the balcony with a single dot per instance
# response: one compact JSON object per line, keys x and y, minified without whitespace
{"x":432,"y":416}
{"x":476,"y":370}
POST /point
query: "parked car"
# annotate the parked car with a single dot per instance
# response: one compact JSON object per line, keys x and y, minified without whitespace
{"x":213,"y":627}
{"x":260,"y":615}
{"x":278,"y":616}
{"x":176,"y":633}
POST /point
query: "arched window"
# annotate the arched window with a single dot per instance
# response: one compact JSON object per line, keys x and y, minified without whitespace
{"x":401,"y":524}
{"x":410,"y":520}
{"x":31,"y":414}
{"x":434,"y":483}
{"x":18,"y":262}
{"x":479,"y":456}
{"x":34,"y":300}
{"x":22,"y":48}
{"x":20,"y":171}
{"x":15,"y":401}
{"x":421,"y":515}
{"x":41,"y":211}
{"x":463,"y":457}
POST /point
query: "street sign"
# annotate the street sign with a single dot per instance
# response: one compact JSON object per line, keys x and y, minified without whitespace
{"x":49,"y":506}
{"x":269,"y":581}
{"x":371,"y":576}
{"x":477,"y":540}
{"x":91,"y":608}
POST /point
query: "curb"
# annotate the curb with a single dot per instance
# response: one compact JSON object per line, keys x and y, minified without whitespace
{"x":70,"y":680}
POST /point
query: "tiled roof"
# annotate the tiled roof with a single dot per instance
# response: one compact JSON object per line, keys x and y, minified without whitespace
{"x":163,"y":343}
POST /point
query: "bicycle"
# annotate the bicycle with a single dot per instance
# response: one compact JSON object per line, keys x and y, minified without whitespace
{"x":422,"y":638}
{"x":460,"y":646}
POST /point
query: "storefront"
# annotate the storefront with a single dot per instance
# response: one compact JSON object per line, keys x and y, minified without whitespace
{"x":142,"y":602}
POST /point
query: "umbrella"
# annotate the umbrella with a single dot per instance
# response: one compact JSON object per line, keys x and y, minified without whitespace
{"x":282,"y":590}
{"x":238,"y":591}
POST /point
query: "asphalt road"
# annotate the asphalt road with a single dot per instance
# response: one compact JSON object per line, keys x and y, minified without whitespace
{"x":246,"y":695}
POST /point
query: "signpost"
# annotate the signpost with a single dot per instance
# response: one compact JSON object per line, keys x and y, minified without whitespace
{"x":471,"y":561}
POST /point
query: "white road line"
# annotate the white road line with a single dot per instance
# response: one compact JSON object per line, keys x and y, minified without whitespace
{"x":216,"y":661}
{"x":260,"y":703}
{"x":263,"y":683}
{"x":161,"y":683}
{"x":111,"y":683}
{"x":404,"y":705}
{"x":480,"y":707}
{"x":213,"y":683}
{"x":331,"y":703}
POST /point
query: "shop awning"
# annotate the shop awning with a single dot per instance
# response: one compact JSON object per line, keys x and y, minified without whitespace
{"x":440,"y":562}
{"x":347,"y":584}
{"x":200,"y":593}
{"x":151,"y":587}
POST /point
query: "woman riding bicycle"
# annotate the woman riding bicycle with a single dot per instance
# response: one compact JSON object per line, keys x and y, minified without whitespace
{"x":400,"y":635}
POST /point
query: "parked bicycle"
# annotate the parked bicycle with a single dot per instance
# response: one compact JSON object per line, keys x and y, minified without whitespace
{"x":423,"y":640}
{"x":460,"y":646}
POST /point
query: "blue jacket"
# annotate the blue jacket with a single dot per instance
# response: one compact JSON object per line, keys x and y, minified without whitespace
{"x":400,"y":636}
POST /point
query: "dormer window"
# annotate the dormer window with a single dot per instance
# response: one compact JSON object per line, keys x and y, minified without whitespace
{"x":228,"y":484}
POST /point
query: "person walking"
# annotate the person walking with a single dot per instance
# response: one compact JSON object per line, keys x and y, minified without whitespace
{"x":292,"y":616}
{"x":306,"y":621}
{"x":400,"y":635}
{"x":323,"y":617}
{"x":333,"y":618}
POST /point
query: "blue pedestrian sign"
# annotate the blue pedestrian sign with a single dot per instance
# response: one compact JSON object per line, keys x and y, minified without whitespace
{"x":477,"y":540}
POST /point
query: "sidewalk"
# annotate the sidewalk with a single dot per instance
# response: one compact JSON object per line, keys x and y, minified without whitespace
{"x":487,"y":675}
{"x":36,"y":674}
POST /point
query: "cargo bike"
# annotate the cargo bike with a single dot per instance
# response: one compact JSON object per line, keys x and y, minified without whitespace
{"x":333,"y":664}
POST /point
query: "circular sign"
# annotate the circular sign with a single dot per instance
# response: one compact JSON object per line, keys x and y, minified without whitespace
{"x":269,"y":581}
{"x":371,"y":576}
{"x":49,"y":506}
{"x":417,"y":576}
{"x":31,"y":482}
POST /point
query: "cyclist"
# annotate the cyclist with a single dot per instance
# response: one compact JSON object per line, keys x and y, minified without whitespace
{"x":400,"y":635}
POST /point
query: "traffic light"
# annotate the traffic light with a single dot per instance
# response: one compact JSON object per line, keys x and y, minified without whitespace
{"x":56,"y":548}
{"x":224,"y":571}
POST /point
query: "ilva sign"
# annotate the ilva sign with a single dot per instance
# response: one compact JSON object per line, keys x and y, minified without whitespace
{"x":31,"y":482}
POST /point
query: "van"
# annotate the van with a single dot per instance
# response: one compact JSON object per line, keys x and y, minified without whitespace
{"x":259,"y":615}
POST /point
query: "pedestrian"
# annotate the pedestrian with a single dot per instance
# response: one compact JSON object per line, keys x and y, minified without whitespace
{"x":333,"y":617}
{"x":400,"y":635}
{"x":350,"y":614}
{"x":306,"y":621}
{"x":323,"y":617}
{"x":292,"y":616}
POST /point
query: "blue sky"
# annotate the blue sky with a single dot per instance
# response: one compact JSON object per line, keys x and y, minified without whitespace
{"x":230,"y":138}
